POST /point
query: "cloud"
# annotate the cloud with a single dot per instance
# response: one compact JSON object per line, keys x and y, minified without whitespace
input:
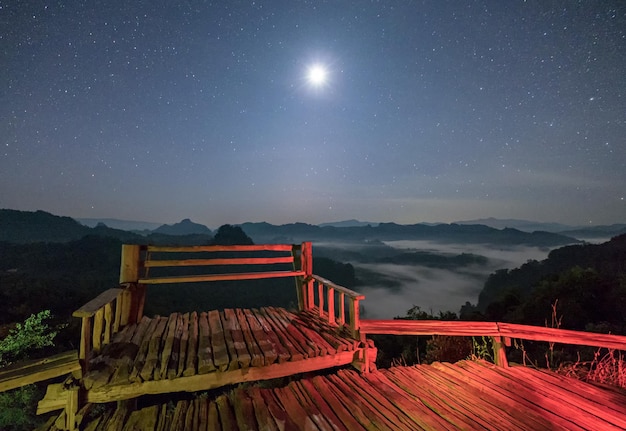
{"x":434,"y":289}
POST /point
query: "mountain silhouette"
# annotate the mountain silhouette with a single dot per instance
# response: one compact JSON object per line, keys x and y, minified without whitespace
{"x":185,"y":227}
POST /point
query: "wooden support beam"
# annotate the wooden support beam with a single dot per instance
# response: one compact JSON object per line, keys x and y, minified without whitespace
{"x":37,"y":370}
{"x":202,"y":382}
{"x":499,"y":352}
{"x":71,"y":408}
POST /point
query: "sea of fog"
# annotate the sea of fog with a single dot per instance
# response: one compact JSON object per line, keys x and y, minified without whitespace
{"x":433,"y":289}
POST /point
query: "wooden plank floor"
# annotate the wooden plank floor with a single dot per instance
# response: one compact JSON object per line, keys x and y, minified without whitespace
{"x":199,"y":351}
{"x":441,"y":396}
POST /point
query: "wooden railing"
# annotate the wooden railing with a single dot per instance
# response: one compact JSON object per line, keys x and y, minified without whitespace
{"x":138,"y":262}
{"x":500,"y":333}
{"x":101,"y":318}
{"x":331,"y":300}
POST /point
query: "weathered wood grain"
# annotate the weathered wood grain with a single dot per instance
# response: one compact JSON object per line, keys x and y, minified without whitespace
{"x":261,"y":338}
{"x":234,"y":331}
{"x":244,"y":411}
{"x":227,"y":417}
{"x":205,"y":349}
{"x":152,"y":359}
{"x":174,"y":357}
{"x":218,"y":341}
{"x":184,"y":341}
{"x":281,"y":347}
{"x":256,"y":356}
{"x":142,"y":353}
{"x":288,"y":334}
{"x":166,"y":349}
{"x":192,"y":339}
{"x":441,"y":396}
{"x":263,"y":417}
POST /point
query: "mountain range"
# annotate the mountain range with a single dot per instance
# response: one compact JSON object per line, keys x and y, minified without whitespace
{"x":579,"y":232}
{"x":40,"y":226}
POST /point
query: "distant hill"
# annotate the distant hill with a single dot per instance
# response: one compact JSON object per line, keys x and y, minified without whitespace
{"x":523,"y":225}
{"x":597,"y":231}
{"x":39,"y":226}
{"x":114,"y":223}
{"x":477,"y":234}
{"x":25,"y":227}
{"x":349,"y":223}
{"x":580,"y":232}
{"x":185,"y":227}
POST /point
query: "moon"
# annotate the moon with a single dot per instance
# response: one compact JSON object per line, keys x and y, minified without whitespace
{"x":317,"y":75}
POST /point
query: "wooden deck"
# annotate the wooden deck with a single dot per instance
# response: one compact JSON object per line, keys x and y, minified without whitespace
{"x":200,"y":351}
{"x":441,"y":396}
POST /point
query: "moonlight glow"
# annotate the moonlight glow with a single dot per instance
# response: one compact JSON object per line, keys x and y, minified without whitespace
{"x":317,"y":75}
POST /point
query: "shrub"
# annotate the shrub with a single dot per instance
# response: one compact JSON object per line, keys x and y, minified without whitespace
{"x":33,"y":334}
{"x":17,"y":407}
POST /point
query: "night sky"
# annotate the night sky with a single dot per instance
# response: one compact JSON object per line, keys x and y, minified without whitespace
{"x":428,"y":111}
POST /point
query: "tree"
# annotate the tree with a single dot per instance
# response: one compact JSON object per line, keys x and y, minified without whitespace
{"x":231,"y":235}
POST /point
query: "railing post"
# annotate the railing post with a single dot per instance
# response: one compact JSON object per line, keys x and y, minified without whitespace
{"x":355,"y":322}
{"x":342,"y":308}
{"x":499,"y":352}
{"x":85,"y":343}
{"x":331,"y":305}
{"x":135,"y":296}
{"x":320,"y":296}
{"x":130,"y":264}
{"x":306,"y":265}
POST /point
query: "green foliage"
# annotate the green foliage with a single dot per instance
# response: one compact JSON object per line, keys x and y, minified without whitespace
{"x":482,"y":348}
{"x":17,"y":408}
{"x":33,"y":334}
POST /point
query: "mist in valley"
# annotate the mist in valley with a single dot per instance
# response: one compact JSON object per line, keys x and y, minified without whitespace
{"x":391,"y":289}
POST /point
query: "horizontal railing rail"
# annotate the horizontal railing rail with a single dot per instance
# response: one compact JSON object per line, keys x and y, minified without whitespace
{"x":501,"y":333}
{"x":430,"y":327}
{"x":137,"y":260}
{"x":220,"y":277}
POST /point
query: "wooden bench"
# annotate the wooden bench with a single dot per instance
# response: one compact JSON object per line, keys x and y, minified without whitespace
{"x":145,"y":265}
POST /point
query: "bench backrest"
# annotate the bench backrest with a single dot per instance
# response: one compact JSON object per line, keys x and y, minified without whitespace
{"x":150,"y":264}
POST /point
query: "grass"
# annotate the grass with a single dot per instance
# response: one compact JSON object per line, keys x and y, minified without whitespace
{"x":607,"y":369}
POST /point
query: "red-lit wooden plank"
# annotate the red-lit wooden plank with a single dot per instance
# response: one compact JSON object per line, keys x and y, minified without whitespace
{"x":283,"y":352}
